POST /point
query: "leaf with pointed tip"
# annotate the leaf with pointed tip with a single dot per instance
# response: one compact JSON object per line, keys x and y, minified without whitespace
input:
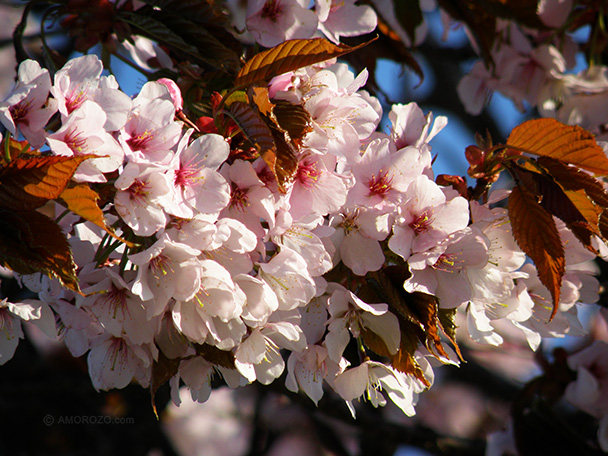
{"x":480,"y":22}
{"x":418,"y":313}
{"x":200,"y":11}
{"x":447,"y":320}
{"x":568,"y":143}
{"x":282,"y":159}
{"x":573,"y":207}
{"x":374,"y":342}
{"x":31,"y":242}
{"x":572,"y":178}
{"x":404,"y":360}
{"x":536,"y":234}
{"x":603,"y":223}
{"x":163,"y":370}
{"x":82,"y":201}
{"x":289,"y":56}
{"x":29,"y":181}
{"x":213,"y":43}
{"x":252,"y":125}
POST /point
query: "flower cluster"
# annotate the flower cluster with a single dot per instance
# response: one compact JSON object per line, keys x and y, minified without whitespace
{"x":270,"y":22}
{"x":535,"y":69}
{"x":227,"y":272}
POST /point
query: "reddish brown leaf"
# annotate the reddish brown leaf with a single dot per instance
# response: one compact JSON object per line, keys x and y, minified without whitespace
{"x":272,"y":142}
{"x":572,"y":178}
{"x":418,"y":313}
{"x":604,"y":223}
{"x":480,"y":22}
{"x":252,"y":125}
{"x":12,"y":149}
{"x":447,"y":321}
{"x":535,"y":231}
{"x":31,"y":242}
{"x":374,"y":342}
{"x":573,"y":207}
{"x":404,"y":360}
{"x":568,"y":143}
{"x":282,"y":160}
{"x":288,"y":56}
{"x":162,"y":371}
{"x":82,"y":200}
{"x":28,"y":182}
{"x":294,"y":119}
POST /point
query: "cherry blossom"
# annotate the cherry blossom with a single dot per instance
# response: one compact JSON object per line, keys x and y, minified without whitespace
{"x":197,"y":186}
{"x":28,"y":107}
{"x":369,"y":379}
{"x":351,"y":314}
{"x":11,"y":317}
{"x":83,"y":133}
{"x":274,"y":21}
{"x":344,"y":18}
{"x":211,"y":255}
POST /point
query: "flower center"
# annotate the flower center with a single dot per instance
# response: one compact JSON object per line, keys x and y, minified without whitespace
{"x":380,"y":185}
{"x":185,"y":177}
{"x":349,"y":224}
{"x":271,"y":10}
{"x":138,"y":191}
{"x":139,"y":142}
{"x":161,"y":266}
{"x":117,"y":300}
{"x":238,"y":199}
{"x":76,"y":142}
{"x":19,"y":112}
{"x":422,"y":222}
{"x":75,"y":99}
{"x":447,"y":262}
{"x":308,"y":174}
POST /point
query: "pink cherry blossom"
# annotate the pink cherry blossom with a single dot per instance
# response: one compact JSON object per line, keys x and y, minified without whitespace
{"x":28,"y":107}
{"x":80,"y":80}
{"x":426,"y":217}
{"x":315,"y":188}
{"x":82,"y":133}
{"x":114,"y":362}
{"x":357,"y":236}
{"x":142,"y":193}
{"x":343,"y":18}
{"x":349,"y":314}
{"x":197,"y":186}
{"x":274,"y":21}
{"x":369,"y":379}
